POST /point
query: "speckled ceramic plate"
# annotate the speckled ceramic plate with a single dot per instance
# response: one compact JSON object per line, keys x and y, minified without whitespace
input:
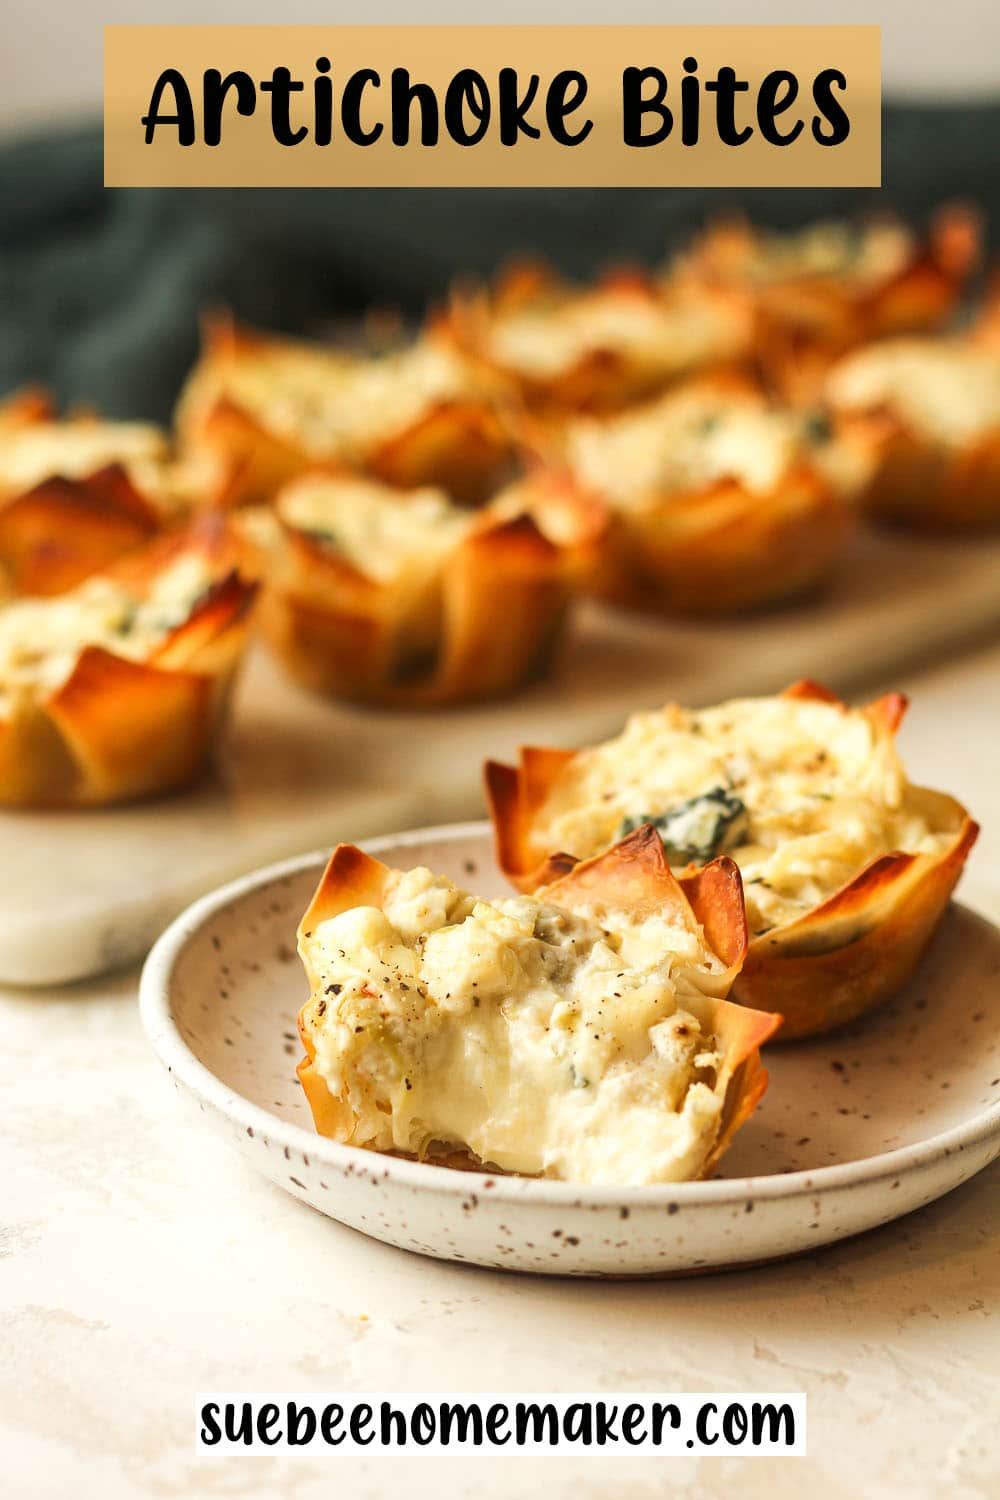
{"x":855,"y":1130}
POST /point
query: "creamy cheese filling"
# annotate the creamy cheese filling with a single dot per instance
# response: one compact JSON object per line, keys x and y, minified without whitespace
{"x":684,"y":442}
{"x":831,"y":248}
{"x":822,"y":795}
{"x":571,"y":1044}
{"x":75,"y":450}
{"x":41,"y":639}
{"x":542,"y":341}
{"x":948,"y":390}
{"x":336,"y":404}
{"x":378,"y":530}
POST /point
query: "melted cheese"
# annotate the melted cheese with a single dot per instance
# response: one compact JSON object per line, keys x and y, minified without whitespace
{"x":32,"y":453}
{"x":544,"y":340}
{"x":947,"y":390}
{"x":378,"y":530}
{"x":823,"y":793}
{"x":41,"y":639}
{"x":831,"y":249}
{"x":686,"y":441}
{"x":547,"y":1042}
{"x":336,"y":405}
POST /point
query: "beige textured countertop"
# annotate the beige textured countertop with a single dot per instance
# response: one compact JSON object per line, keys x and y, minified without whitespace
{"x":141,"y":1263}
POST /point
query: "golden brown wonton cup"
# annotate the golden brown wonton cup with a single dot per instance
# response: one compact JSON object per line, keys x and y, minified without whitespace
{"x":913,"y":477}
{"x":57,"y":532}
{"x":723,"y":549}
{"x":804,"y":322}
{"x":118,"y":729}
{"x":720,"y":548}
{"x":481,"y":625}
{"x":461,"y":443}
{"x":601,"y":378}
{"x":633,"y":878}
{"x":915,"y":481}
{"x":843,"y":958}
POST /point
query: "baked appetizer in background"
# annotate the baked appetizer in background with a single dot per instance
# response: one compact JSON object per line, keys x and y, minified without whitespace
{"x":847,"y":867}
{"x":925,"y":413}
{"x":719,"y":500}
{"x":76,"y":493}
{"x":581,"y":1034}
{"x":405,"y":598}
{"x":115,"y":689}
{"x":824,"y":289}
{"x":264,"y":410}
{"x":595,"y":347}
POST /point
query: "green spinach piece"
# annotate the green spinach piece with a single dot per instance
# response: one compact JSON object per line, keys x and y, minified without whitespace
{"x":696,"y":830}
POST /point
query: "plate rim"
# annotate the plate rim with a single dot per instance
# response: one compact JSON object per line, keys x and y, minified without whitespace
{"x":182,"y":1064}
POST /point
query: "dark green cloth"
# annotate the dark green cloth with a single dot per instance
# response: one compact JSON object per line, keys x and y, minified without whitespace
{"x":100,"y":289}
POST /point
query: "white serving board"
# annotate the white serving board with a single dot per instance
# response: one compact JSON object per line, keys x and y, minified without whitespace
{"x":83,"y":892}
